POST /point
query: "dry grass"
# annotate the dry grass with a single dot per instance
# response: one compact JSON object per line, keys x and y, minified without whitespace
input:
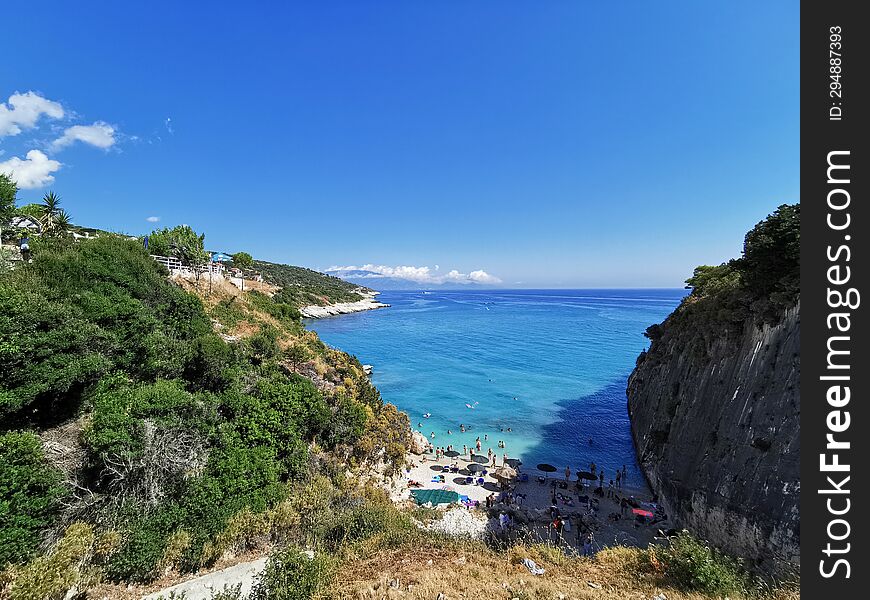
{"x":474,"y":571}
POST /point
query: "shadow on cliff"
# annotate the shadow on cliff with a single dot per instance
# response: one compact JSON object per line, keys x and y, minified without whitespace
{"x":601,"y":417}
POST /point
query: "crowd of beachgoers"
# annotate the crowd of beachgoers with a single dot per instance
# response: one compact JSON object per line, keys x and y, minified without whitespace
{"x":582,"y":510}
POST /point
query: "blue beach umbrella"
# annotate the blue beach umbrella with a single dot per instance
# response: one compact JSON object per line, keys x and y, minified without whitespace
{"x":220,"y":257}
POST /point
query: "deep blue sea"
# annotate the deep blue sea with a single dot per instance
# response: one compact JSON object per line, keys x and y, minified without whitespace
{"x":551,"y":365}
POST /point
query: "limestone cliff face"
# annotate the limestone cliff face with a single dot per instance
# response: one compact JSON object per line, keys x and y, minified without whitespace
{"x":715,"y":417}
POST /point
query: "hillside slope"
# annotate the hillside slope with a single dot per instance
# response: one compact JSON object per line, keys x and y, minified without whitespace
{"x":305,"y":287}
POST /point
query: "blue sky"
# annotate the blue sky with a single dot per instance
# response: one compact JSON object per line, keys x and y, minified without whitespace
{"x":548,"y":144}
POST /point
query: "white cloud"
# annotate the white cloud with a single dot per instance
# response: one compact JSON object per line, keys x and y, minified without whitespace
{"x":23,"y":111}
{"x":416,"y":274}
{"x":34,"y":171}
{"x":100,"y":134}
{"x":168,"y":124}
{"x":152,"y":219}
{"x":481,"y":276}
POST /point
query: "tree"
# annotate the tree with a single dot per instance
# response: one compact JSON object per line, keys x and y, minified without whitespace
{"x":50,"y":210}
{"x":181,"y":242}
{"x":242,"y":260}
{"x":62,"y":222}
{"x":8,"y":191}
{"x":771,"y":253}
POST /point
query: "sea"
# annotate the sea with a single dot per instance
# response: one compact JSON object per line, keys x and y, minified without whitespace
{"x":543,"y":371}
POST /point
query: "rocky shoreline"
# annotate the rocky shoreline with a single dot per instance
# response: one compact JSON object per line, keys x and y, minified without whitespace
{"x":369,"y":302}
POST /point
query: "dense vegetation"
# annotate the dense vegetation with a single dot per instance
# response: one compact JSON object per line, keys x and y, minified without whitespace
{"x":754,"y":288}
{"x":180,"y":428}
{"x":304,"y":287}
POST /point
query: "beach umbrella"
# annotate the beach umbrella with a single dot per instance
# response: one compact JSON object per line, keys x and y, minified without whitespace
{"x":475,"y":468}
{"x":504,"y":473}
{"x":220,"y":257}
{"x":585,"y":475}
{"x":481,"y":459}
{"x":547,"y":468}
{"x":514,"y":462}
{"x":451,"y":453}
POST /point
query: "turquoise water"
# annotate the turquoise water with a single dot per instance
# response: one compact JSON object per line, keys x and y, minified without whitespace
{"x":549,"y":364}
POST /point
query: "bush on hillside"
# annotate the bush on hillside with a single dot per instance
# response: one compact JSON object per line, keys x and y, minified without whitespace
{"x":81,"y":310}
{"x":29,"y":493}
{"x":694,"y":566}
{"x":291,"y":574}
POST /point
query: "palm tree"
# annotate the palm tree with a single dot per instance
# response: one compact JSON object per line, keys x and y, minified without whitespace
{"x":50,"y":210}
{"x":62,"y":221}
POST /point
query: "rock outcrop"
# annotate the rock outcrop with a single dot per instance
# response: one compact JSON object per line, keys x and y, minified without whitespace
{"x":718,"y":436}
{"x":341,"y":308}
{"x":715,"y":412}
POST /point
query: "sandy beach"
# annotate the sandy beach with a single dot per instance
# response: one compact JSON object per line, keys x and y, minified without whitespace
{"x":530,"y":499}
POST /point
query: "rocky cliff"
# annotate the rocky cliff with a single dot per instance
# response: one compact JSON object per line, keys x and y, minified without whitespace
{"x":715,"y":407}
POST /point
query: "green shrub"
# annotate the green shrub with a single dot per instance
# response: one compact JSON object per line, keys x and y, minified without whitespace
{"x":263,"y":345}
{"x":143,"y":550}
{"x":694,"y":566}
{"x":286,"y":313}
{"x":228,"y":312}
{"x":212,"y":365}
{"x":292,"y":575}
{"x":80,"y":310}
{"x":29,"y":494}
{"x":121,"y":411}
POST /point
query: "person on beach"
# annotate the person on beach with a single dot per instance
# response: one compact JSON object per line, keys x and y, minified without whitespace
{"x":587,"y":544}
{"x":478,"y":444}
{"x":610,"y":489}
{"x":504,"y":459}
{"x":568,"y":473}
{"x":623,"y":472}
{"x":601,"y":478}
{"x":464,"y":449}
{"x":493,"y":461}
{"x":592,"y":467}
{"x":619,"y":479}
